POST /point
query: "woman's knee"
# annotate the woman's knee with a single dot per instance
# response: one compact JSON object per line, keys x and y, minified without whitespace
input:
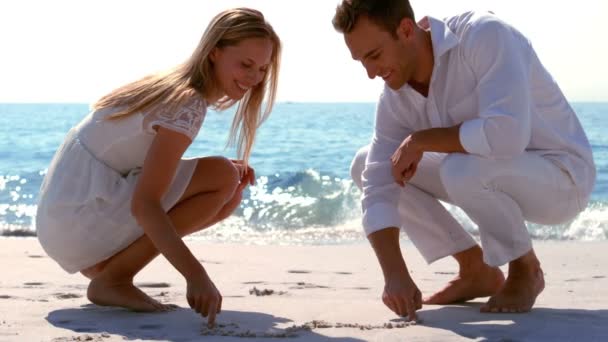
{"x":216,"y":174}
{"x":358,"y":165}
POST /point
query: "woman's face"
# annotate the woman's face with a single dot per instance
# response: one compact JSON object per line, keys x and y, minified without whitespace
{"x":240,"y":67}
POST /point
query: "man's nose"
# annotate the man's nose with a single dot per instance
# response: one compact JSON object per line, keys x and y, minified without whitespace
{"x":371,"y":70}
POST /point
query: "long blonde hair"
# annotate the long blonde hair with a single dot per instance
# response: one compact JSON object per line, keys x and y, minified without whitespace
{"x":195,"y":77}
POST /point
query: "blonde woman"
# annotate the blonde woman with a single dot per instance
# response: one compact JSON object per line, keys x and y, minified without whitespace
{"x":118,"y":191}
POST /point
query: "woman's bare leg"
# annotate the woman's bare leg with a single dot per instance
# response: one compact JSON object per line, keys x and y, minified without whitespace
{"x":211,"y":196}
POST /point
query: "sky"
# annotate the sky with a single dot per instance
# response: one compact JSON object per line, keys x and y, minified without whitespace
{"x":76,"y":51}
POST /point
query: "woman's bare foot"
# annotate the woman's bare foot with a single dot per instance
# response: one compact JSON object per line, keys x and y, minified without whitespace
{"x":469,"y":284}
{"x":524,"y":283}
{"x":123,"y":294}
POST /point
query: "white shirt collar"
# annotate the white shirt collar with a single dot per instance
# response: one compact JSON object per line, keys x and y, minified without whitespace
{"x":442,"y":38}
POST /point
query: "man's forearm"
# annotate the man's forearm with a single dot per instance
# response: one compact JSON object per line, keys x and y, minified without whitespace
{"x":386,"y":245}
{"x":444,"y":140}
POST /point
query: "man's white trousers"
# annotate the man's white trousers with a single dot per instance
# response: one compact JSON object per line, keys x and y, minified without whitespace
{"x":498,"y":195}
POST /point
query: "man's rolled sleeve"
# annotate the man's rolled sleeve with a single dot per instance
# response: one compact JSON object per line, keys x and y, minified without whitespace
{"x":473,"y":137}
{"x":500,"y":58}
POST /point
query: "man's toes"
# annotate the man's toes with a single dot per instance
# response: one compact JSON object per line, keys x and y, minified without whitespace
{"x":434,"y":299}
{"x":489,"y":306}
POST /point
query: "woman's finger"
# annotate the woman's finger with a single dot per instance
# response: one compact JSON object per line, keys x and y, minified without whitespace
{"x":205,"y":308}
{"x":252,"y":176}
{"x":219,"y":305}
{"x":212,"y":311}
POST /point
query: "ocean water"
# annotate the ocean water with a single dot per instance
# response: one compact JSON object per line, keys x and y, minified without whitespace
{"x":303,"y":193}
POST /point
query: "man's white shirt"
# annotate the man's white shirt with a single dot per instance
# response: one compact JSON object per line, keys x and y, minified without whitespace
{"x":486,"y":76}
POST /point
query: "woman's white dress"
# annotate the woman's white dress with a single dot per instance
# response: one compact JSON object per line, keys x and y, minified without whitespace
{"x":84,"y":209}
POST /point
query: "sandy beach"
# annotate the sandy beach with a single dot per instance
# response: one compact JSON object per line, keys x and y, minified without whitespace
{"x":304,"y":293}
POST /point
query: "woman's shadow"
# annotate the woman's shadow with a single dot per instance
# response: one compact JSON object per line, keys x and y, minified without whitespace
{"x":177,"y":325}
{"x":541,"y":324}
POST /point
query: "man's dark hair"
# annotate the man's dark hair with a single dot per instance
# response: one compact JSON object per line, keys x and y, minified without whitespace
{"x":384,"y":13}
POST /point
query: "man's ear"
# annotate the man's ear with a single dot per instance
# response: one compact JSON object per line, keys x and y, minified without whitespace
{"x":405,"y":30}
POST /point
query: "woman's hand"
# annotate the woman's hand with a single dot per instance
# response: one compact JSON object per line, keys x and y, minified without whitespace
{"x":247,"y":174}
{"x":204,"y":298}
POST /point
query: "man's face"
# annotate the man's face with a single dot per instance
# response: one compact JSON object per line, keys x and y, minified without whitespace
{"x":381,"y":53}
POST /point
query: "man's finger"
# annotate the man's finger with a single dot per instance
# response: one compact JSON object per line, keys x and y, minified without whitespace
{"x":401,"y":307}
{"x":411,"y":311}
{"x":389,"y":303}
{"x":418,"y":299}
{"x":396,"y":175}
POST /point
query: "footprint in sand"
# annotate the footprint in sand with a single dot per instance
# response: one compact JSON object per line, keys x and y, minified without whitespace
{"x":150,"y":326}
{"x":265,"y":292}
{"x":33,"y":284}
{"x":87,"y":337}
{"x":84,"y":329}
{"x":67,"y":295}
{"x":302,"y":285}
{"x":153,"y":285}
{"x":308,"y":272}
{"x":292,"y":331}
{"x":298,"y":271}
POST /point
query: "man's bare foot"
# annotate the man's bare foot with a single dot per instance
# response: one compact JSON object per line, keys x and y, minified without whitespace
{"x":469,"y":284}
{"x":524,"y":283}
{"x":123,"y":294}
{"x":475,"y":279}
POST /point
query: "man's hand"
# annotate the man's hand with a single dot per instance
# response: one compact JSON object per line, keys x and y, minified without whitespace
{"x":402,"y":296}
{"x":405,"y":161}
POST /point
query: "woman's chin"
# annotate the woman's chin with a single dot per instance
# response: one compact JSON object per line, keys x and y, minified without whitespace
{"x":236,"y":95}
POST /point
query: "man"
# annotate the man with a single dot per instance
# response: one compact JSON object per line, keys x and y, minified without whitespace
{"x":468,"y":116}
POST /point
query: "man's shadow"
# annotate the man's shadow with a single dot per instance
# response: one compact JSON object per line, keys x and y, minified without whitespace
{"x":177,"y":325}
{"x":541,"y":324}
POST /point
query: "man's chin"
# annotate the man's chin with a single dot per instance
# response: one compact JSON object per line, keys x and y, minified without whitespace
{"x":395,"y":85}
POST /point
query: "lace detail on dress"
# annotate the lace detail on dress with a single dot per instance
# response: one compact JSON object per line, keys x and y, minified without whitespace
{"x":187,"y":119}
